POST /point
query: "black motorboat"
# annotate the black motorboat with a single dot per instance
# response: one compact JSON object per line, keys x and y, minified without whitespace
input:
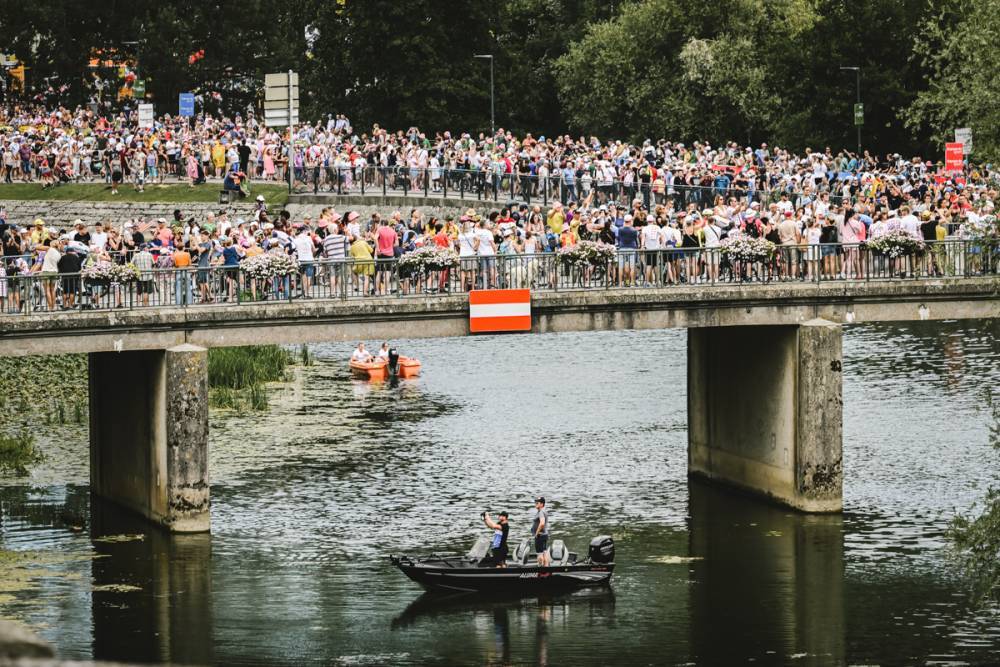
{"x":522,"y":574}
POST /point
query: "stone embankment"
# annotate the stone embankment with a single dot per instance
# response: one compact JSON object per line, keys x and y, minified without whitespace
{"x":63,"y":213}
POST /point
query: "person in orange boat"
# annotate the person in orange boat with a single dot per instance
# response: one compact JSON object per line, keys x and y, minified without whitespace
{"x":360,"y":354}
{"x":383,"y":353}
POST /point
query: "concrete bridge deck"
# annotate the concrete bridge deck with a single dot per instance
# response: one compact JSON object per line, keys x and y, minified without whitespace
{"x":335,"y":319}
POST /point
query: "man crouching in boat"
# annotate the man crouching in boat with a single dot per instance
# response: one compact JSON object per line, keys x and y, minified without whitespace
{"x":498,"y":547}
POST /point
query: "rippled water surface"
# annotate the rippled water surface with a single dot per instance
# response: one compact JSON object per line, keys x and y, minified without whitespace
{"x":310,"y":497}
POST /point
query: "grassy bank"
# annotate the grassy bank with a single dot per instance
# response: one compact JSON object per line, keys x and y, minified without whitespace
{"x":276,"y":195}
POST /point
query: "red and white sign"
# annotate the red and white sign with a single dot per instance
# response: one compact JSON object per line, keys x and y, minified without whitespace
{"x":953,"y":155}
{"x":496,"y":310}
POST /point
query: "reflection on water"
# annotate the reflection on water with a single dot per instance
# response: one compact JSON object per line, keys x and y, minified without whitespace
{"x":773,"y":579}
{"x":152,"y":591}
{"x":309,"y":498}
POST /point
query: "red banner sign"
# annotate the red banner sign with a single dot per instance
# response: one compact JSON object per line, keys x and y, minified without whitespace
{"x":953,"y":157}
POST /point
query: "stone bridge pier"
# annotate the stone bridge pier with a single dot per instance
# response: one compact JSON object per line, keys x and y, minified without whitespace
{"x":765,"y":411}
{"x":149,"y":434}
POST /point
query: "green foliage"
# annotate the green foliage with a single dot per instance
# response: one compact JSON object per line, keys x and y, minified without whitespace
{"x":242,"y":367}
{"x":957,"y":47}
{"x":18,"y":452}
{"x":237,"y":375}
{"x":26,"y":389}
{"x":746,"y":70}
{"x":976,"y":537}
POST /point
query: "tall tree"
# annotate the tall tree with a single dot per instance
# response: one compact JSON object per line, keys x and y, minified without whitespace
{"x":957,"y":48}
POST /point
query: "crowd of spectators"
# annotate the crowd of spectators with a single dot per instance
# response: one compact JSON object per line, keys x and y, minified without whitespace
{"x":820,"y":207}
{"x":64,"y":145}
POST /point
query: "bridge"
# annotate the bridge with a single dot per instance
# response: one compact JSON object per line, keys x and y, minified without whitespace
{"x":149,"y":391}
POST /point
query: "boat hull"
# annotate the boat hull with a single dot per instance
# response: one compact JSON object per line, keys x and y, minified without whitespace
{"x":374,"y":370}
{"x":408,"y":368}
{"x":519,"y":579}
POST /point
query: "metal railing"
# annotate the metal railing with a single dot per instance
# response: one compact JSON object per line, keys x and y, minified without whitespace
{"x":351,"y":279}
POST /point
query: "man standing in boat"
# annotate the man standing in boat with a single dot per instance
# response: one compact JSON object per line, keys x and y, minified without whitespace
{"x":540,"y":531}
{"x":498,"y":547}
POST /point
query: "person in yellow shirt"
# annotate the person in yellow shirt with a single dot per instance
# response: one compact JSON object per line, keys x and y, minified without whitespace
{"x":218,"y":157}
{"x":450,"y":228}
{"x":556,"y":218}
{"x":38,"y":234}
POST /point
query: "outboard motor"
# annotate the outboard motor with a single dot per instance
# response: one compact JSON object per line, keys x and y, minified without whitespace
{"x":602,"y":549}
{"x":393,"y":361}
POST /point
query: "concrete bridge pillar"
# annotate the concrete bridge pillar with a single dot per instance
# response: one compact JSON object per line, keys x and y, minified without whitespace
{"x":765,"y":411}
{"x":149,"y":434}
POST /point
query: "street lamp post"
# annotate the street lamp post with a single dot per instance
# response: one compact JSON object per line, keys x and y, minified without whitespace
{"x":857,"y":78}
{"x":493,"y":124}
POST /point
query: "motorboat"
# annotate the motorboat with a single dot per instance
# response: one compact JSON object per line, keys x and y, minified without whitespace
{"x":379,"y":368}
{"x":376,"y":369}
{"x":475,"y":572}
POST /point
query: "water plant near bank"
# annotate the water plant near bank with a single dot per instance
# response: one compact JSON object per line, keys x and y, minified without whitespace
{"x":237,"y":375}
{"x":976,"y":536}
{"x":18,"y":452}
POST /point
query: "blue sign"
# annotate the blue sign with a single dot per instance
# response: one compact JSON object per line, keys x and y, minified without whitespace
{"x":186,"y":103}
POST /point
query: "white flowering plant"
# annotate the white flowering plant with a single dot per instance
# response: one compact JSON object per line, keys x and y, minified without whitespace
{"x":985,"y":231}
{"x":895,"y":244}
{"x":747,"y":249}
{"x":269,"y":265}
{"x":586,"y":253}
{"x":109,"y":272}
{"x":427,"y":258}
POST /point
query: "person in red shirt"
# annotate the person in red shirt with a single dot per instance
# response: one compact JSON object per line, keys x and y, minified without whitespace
{"x":442,"y":240}
{"x":385,"y":243}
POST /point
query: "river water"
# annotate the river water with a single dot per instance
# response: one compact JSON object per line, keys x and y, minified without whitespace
{"x":310,"y":497}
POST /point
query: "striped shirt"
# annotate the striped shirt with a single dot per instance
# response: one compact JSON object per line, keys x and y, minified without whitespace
{"x":335,"y":246}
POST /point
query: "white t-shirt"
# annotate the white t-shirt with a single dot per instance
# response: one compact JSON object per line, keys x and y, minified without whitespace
{"x":304,"y":248}
{"x":360,"y":355}
{"x":466,"y":244}
{"x":485,"y":243}
{"x":651,"y":237}
{"x":909,"y":224}
{"x":99,"y":239}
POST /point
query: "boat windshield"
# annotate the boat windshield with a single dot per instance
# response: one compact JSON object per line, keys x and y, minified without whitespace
{"x":479,"y":549}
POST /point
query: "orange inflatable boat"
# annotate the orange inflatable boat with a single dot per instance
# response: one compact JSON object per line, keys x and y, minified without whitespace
{"x":376,"y":369}
{"x":408,"y":367}
{"x":380,"y":369}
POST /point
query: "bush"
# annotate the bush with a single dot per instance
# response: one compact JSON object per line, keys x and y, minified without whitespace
{"x":18,"y":452}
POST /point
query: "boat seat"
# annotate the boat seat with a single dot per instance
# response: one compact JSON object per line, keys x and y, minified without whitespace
{"x":521,"y":552}
{"x":558,"y":552}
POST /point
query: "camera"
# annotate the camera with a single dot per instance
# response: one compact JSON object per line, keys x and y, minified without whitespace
{"x":483,"y":515}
